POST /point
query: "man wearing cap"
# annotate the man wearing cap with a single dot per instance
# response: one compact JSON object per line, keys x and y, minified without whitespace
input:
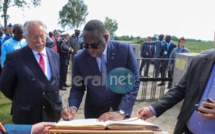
{"x":75,"y":43}
{"x":64,"y":52}
{"x":9,"y":30}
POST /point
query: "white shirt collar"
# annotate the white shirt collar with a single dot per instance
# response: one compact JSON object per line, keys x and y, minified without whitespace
{"x":43,"y":52}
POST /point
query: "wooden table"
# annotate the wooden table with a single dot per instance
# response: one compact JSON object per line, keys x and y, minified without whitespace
{"x":64,"y":131}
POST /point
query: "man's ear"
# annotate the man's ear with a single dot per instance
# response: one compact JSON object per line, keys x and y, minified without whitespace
{"x":106,"y":36}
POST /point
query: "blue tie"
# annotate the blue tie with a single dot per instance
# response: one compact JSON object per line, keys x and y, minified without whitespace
{"x":103,"y":69}
{"x":167,"y":45}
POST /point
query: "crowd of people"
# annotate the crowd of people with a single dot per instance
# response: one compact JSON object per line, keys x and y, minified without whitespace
{"x":36,"y":63}
{"x":163,"y":53}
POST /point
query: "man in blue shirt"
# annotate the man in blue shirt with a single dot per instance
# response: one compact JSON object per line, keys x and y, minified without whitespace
{"x":197,"y":84}
{"x":14,"y":43}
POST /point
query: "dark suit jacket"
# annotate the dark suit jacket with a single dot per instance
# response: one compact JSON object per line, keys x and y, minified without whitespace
{"x":34,"y":97}
{"x":98,"y":99}
{"x":144,"y":50}
{"x":157,"y":48}
{"x":190,"y":88}
{"x":164,"y":49}
{"x":63,"y":50}
{"x":49,"y":42}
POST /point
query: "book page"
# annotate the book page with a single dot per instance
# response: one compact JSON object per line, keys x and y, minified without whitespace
{"x":81,"y":123}
{"x":132,"y":124}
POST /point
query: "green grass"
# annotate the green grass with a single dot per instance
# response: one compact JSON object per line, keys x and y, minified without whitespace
{"x":196,"y":47}
{"x":5,"y":107}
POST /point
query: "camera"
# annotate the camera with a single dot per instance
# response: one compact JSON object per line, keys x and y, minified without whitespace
{"x":196,"y":106}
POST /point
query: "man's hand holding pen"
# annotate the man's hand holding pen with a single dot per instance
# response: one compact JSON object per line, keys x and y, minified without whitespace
{"x":68,"y":113}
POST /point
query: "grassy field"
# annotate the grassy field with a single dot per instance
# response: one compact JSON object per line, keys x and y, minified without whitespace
{"x":196,"y":47}
{"x":5,"y":106}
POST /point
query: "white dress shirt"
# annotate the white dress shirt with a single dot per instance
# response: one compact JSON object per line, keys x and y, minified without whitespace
{"x":48,"y":71}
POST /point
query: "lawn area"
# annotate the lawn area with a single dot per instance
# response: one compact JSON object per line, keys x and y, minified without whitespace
{"x":5,"y":106}
{"x":196,"y":47}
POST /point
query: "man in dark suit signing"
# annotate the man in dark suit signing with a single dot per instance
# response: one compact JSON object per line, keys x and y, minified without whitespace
{"x":100,"y":57}
{"x":196,"y":84}
{"x":30,"y":79}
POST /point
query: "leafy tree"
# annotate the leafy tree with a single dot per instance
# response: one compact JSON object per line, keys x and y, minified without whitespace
{"x":73,"y":14}
{"x":111,"y":25}
{"x":6,"y":4}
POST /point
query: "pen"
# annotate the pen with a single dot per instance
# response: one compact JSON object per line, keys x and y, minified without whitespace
{"x":68,"y":109}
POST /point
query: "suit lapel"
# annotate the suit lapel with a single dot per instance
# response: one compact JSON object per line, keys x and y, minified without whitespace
{"x":206,"y":68}
{"x":93,"y":65}
{"x":31,"y":61}
{"x":111,"y":57}
{"x":52,"y":62}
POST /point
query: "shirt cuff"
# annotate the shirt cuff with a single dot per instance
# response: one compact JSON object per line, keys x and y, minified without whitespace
{"x":74,"y":107}
{"x":153,"y":110}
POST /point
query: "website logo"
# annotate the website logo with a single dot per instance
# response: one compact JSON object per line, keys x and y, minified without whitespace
{"x":120,"y":80}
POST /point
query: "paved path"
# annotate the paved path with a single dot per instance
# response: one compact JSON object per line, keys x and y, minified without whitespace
{"x":166,"y":122}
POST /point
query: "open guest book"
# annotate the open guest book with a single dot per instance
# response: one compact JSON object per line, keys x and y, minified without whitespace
{"x":93,"y":124}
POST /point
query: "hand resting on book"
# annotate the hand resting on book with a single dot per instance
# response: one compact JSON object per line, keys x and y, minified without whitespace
{"x":114,"y":116}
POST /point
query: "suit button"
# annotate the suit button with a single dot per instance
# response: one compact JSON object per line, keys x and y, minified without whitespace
{"x":44,"y":107}
{"x":44,"y":93}
{"x":56,"y":92}
{"x":33,"y":79}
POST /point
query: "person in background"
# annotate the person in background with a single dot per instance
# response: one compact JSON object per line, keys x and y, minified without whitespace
{"x":75,"y":42}
{"x":165,"y":52}
{"x":157,"y":50}
{"x":30,"y":78}
{"x":14,"y":43}
{"x":39,"y":128}
{"x":3,"y":38}
{"x":180,"y":49}
{"x":197,"y":114}
{"x":99,"y":56}
{"x":147,"y":51}
{"x":49,"y":42}
{"x":56,"y":35}
{"x":10,"y":30}
{"x":64,"y":52}
{"x":53,"y":39}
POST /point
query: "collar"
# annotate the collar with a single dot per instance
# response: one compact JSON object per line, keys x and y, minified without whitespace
{"x":105,"y":51}
{"x":3,"y":35}
{"x":43,"y":52}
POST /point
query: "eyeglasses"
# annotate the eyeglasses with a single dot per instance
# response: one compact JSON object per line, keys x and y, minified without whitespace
{"x":93,"y":46}
{"x":37,"y":38}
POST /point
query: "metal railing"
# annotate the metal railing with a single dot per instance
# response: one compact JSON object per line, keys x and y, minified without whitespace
{"x":157,"y":72}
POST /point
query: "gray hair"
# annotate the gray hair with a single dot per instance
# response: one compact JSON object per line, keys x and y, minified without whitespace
{"x":32,"y":23}
{"x":96,"y":25}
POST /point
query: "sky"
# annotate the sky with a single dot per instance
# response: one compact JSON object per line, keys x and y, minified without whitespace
{"x":189,"y":18}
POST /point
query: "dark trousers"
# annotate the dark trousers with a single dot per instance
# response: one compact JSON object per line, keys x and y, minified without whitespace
{"x":63,"y":74}
{"x":163,"y":70}
{"x":146,"y":69}
{"x":157,"y":67}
